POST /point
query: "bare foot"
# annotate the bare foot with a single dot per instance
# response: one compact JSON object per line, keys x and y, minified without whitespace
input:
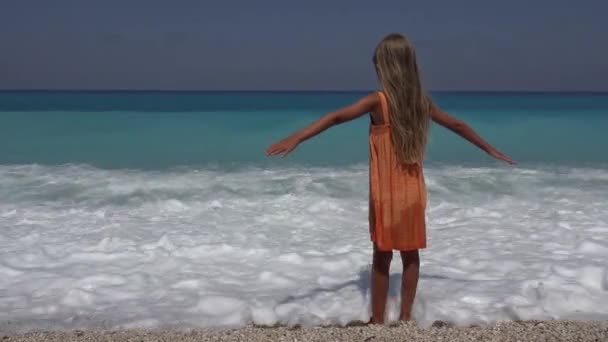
{"x":373,"y":321}
{"x":407,"y":321}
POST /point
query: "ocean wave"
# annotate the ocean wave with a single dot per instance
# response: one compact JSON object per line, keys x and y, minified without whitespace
{"x":82,"y":246}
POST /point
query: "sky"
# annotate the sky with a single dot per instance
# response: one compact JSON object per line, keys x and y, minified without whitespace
{"x":537,"y":45}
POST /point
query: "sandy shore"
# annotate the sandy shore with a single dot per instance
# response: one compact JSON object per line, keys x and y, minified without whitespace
{"x":506,"y":331}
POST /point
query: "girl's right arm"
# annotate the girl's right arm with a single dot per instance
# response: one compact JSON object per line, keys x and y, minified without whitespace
{"x":355,"y":110}
{"x":461,"y":128}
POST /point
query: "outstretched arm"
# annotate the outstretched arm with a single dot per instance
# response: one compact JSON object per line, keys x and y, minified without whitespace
{"x":461,"y":128}
{"x":357,"y":109}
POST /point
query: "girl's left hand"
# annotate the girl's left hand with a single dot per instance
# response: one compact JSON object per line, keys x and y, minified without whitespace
{"x":283,"y":147}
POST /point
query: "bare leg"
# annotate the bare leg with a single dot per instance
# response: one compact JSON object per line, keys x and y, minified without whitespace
{"x":380,"y":280}
{"x":409,"y":282}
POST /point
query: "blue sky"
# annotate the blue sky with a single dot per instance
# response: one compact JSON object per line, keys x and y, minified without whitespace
{"x":305,"y":44}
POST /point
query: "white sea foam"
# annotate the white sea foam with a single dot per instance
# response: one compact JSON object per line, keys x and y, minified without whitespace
{"x":84,"y":247}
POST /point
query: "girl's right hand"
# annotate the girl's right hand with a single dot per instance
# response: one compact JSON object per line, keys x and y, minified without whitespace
{"x":283,"y":147}
{"x":494,"y":153}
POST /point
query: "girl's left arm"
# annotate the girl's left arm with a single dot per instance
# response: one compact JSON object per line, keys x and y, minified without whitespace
{"x":357,"y":109}
{"x":461,"y":128}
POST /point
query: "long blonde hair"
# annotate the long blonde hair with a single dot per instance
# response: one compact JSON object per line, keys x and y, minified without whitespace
{"x":395,"y":62}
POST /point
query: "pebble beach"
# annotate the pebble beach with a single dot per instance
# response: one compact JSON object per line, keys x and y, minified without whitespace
{"x":502,"y":331}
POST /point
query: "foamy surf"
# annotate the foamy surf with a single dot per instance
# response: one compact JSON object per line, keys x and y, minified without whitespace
{"x":86,"y":247}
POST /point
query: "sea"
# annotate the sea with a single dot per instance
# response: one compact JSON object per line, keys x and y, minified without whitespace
{"x":160,"y":209}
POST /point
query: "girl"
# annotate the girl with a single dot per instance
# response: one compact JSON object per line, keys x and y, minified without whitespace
{"x":400,"y":116}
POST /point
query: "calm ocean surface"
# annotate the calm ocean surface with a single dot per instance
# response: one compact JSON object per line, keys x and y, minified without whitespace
{"x":149,"y":130}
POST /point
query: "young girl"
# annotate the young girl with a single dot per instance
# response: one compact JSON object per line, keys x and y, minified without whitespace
{"x":400,"y":116}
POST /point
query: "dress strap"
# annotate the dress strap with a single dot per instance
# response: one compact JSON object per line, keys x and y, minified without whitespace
{"x":384,"y":108}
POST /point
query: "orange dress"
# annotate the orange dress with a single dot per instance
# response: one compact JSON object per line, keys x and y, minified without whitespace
{"x":397,"y":192}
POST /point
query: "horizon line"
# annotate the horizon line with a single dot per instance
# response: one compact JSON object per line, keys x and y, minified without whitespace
{"x":109,"y":90}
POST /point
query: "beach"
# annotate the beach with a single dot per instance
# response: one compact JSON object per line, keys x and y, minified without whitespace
{"x":536,"y":331}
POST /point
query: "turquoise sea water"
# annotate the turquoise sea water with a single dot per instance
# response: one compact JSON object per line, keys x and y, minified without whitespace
{"x":148,"y":130}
